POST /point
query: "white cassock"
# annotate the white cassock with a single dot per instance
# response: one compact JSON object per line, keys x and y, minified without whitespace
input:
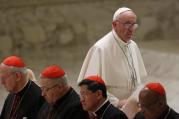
{"x":118,"y":63}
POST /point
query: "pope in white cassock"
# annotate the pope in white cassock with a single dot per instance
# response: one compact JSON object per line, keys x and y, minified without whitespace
{"x":116,"y":58}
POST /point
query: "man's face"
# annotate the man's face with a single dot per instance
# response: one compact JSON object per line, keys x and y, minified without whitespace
{"x":150,"y":106}
{"x":89,"y":100}
{"x":8,"y":79}
{"x":125,"y":25}
{"x":48,"y":90}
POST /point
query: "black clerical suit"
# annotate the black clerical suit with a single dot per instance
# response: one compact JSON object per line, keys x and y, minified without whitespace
{"x":67,"y":107}
{"x":24,"y":104}
{"x":108,"y":111}
{"x":168,"y":114}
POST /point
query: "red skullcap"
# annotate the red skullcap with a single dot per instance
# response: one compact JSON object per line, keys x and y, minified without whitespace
{"x":156,"y":87}
{"x":14,"y":61}
{"x":96,"y":78}
{"x":52,"y":72}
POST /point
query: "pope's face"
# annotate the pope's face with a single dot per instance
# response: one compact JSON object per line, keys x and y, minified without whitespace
{"x":125,"y":25}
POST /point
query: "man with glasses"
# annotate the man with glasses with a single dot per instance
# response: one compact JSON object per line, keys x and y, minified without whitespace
{"x":153,"y":103}
{"x":62,"y":102}
{"x":24,"y":99}
{"x":116,"y":58}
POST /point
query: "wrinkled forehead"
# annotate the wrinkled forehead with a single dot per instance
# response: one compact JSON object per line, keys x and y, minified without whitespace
{"x":5,"y":69}
{"x":46,"y":82}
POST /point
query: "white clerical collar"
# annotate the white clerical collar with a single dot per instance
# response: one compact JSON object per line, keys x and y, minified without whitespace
{"x":100,"y":107}
{"x":121,"y":42}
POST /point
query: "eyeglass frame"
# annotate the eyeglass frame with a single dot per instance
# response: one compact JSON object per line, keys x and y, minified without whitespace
{"x":128,"y":25}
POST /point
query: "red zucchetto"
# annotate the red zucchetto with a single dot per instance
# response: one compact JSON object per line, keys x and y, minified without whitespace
{"x":14,"y":61}
{"x":52,"y":72}
{"x":95,"y":78}
{"x":156,"y":87}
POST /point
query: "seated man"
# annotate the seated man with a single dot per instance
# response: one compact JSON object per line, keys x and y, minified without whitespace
{"x":24,"y":99}
{"x":62,"y":101}
{"x":94,"y":99}
{"x":153,"y":103}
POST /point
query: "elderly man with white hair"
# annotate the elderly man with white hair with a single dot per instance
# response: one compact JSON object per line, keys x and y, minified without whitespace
{"x":62,"y":101}
{"x":24,"y":99}
{"x":116,"y":58}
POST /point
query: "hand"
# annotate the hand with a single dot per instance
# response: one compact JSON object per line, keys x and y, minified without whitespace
{"x":130,"y":108}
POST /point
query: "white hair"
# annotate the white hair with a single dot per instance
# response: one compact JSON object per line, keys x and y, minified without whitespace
{"x":62,"y":80}
{"x":31,"y":75}
{"x":12,"y":68}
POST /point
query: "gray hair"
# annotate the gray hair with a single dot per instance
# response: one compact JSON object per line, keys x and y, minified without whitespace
{"x":62,"y":80}
{"x":15,"y":69}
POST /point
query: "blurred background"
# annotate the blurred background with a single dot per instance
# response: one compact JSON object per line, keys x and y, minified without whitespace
{"x":46,"y":32}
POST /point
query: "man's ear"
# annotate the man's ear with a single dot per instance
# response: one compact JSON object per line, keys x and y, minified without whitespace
{"x":18,"y":76}
{"x":161,"y":101}
{"x":114,"y":24}
{"x":99,"y":94}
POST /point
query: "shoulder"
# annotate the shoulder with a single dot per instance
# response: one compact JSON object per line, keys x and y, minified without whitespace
{"x":73,"y":98}
{"x":139,"y":115}
{"x":34,"y":87}
{"x":105,"y":41}
{"x":115,"y":113}
{"x":45,"y":107}
{"x":174,"y":114}
{"x":76,"y":113}
{"x":34,"y":93}
{"x":74,"y":95}
{"x":43,"y":111}
{"x":74,"y":108}
{"x":133,"y":43}
{"x":8,"y":100}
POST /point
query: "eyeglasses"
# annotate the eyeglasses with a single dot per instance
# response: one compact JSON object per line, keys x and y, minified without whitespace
{"x":128,"y":25}
{"x":46,"y":89}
